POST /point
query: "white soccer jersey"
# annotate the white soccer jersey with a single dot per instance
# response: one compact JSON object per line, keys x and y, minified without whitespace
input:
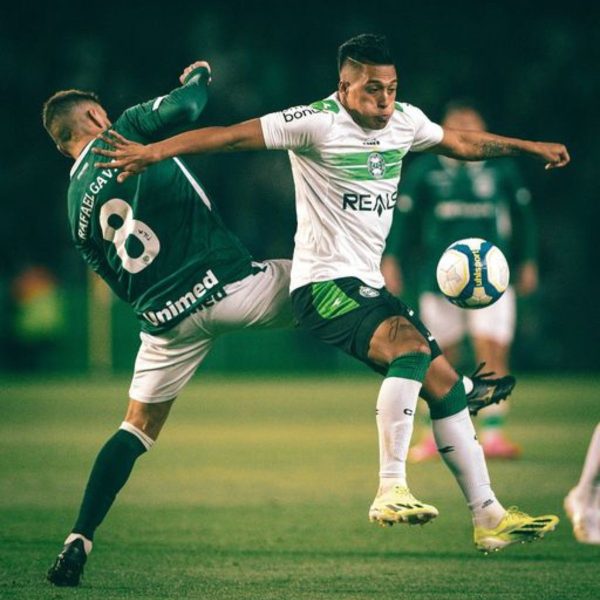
{"x":346,"y":180}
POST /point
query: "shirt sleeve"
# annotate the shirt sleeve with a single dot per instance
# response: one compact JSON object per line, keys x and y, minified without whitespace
{"x":297,"y":128}
{"x":427,"y":133}
{"x":167,"y":115}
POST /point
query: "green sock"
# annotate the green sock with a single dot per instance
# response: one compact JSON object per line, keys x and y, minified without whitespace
{"x":110,"y":472}
{"x":453,"y":402}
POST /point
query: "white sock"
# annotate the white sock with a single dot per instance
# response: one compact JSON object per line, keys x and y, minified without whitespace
{"x":396,"y":405}
{"x":87,"y":544}
{"x":590,"y":475}
{"x":146,"y":440}
{"x":468,"y":383}
{"x":457,"y":443}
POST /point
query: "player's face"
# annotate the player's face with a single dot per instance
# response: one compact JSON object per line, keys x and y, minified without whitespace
{"x":368,"y":93}
{"x":466,"y":119}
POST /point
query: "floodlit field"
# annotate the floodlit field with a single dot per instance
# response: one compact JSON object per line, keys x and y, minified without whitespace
{"x":259,"y":488}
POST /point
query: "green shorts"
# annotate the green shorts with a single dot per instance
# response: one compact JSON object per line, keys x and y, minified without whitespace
{"x":346,"y":312}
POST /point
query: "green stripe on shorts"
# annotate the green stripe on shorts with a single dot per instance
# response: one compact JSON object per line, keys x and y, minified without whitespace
{"x":330,"y":301}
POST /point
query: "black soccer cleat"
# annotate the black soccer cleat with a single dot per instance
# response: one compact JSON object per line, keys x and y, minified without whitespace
{"x":68,"y":566}
{"x":488,"y":391}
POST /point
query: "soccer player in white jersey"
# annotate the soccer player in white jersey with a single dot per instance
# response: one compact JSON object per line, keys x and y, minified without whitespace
{"x":346,"y":153}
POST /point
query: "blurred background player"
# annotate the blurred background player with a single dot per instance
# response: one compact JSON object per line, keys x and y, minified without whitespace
{"x":159,"y":243}
{"x":443,"y":200}
{"x":582,"y":504}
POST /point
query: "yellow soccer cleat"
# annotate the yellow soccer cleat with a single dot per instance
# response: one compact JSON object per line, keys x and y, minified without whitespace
{"x":398,"y":505}
{"x":515,"y":526}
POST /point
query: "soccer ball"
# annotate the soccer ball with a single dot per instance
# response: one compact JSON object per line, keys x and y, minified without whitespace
{"x":472,"y":273}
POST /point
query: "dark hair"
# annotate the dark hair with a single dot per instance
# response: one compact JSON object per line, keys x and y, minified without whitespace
{"x":366,"y":48}
{"x":58,"y":107}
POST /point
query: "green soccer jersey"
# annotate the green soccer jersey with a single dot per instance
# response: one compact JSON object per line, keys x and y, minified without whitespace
{"x":156,"y":239}
{"x":441,"y":200}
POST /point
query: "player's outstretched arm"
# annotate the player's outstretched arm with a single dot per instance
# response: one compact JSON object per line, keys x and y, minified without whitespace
{"x":480,"y":145}
{"x":133,"y":158}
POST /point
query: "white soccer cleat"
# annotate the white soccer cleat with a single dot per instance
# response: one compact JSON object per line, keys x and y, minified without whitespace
{"x":398,"y":505}
{"x":585,"y":516}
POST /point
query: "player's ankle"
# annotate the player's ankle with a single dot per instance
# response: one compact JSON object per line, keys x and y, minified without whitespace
{"x":87,"y":544}
{"x":387,"y":483}
{"x":487,"y":514}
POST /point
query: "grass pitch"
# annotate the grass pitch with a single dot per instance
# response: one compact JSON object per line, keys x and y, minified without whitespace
{"x":259,"y":489}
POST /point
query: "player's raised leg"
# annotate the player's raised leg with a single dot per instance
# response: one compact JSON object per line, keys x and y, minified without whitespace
{"x":110,"y":472}
{"x":495,"y":527}
{"x":397,"y":343}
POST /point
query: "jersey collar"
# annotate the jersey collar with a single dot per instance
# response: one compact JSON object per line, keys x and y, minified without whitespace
{"x":80,"y":158}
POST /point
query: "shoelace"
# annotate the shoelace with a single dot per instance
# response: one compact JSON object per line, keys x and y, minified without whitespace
{"x":481,"y":375}
{"x":404,"y":491}
{"x":514,"y":511}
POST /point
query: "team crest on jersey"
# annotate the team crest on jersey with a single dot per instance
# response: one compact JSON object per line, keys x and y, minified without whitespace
{"x":376,"y":165}
{"x":368,"y":292}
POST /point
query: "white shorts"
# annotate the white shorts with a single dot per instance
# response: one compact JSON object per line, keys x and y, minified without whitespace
{"x":450,"y":324}
{"x":165,"y":362}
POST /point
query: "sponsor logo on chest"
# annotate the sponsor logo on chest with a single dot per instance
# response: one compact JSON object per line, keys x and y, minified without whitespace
{"x":369,"y":202}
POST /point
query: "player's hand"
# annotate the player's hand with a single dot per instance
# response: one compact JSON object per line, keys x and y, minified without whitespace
{"x":132,"y":158}
{"x":195,"y":65}
{"x":555,"y":155}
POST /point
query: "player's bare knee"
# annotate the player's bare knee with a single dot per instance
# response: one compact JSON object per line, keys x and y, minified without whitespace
{"x":148,"y":418}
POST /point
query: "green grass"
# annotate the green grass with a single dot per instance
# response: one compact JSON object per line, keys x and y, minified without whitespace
{"x":259,"y":488}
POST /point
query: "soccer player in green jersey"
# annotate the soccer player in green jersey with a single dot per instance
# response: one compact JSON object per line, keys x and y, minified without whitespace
{"x":443,"y":200}
{"x":159,"y":243}
{"x":346,"y":155}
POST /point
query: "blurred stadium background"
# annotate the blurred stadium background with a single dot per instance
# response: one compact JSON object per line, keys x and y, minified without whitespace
{"x":532,"y":67}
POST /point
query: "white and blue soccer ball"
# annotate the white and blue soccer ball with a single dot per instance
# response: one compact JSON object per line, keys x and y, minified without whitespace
{"x":472,"y":273}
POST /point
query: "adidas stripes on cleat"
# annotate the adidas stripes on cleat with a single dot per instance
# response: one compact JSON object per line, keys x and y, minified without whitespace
{"x":515,"y":526}
{"x":398,"y":505}
{"x":488,"y":391}
{"x":68,"y":566}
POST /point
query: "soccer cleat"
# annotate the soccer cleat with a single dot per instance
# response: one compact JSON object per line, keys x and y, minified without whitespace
{"x":68,"y":566}
{"x":398,"y":505}
{"x":424,"y":450}
{"x":488,"y":391}
{"x":515,"y":526}
{"x":498,"y":446}
{"x":584,"y":517}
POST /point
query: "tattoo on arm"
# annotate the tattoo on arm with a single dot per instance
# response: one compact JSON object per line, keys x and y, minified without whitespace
{"x":495,"y":148}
